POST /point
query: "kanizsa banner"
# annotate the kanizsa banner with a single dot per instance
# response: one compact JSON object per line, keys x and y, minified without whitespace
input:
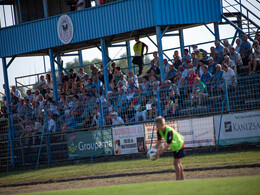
{"x":81,"y":144}
{"x":128,"y":139}
{"x":149,"y":133}
{"x":238,"y":128}
{"x":197,"y":132}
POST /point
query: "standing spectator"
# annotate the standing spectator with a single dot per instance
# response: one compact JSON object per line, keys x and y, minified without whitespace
{"x":186,"y":58}
{"x":16,"y":92}
{"x":74,"y":79}
{"x":211,"y":65}
{"x":219,"y":51}
{"x":64,"y":86}
{"x":139,"y":56}
{"x":42,"y":85}
{"x":238,"y":42}
{"x":254,"y":58}
{"x":245,"y":50}
{"x":156,"y":59}
{"x":49,"y":81}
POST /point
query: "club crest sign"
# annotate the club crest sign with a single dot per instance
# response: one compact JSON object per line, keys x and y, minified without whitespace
{"x":65,"y":29}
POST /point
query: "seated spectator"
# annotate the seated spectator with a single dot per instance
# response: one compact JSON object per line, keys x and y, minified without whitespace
{"x":131,"y":84}
{"x":192,"y":76}
{"x":180,"y":82}
{"x":238,"y":42}
{"x":200,"y":68}
{"x":245,"y":50}
{"x":30,"y":96}
{"x":77,"y":109}
{"x":229,"y":63}
{"x":97,"y":83}
{"x":197,"y":53}
{"x":20,"y":110}
{"x":42,"y":85}
{"x":51,"y":124}
{"x":82,"y":74}
{"x":64,"y":86}
{"x":14,"y":102}
{"x":186,"y":73}
{"x":194,"y":60}
{"x":94,"y":70}
{"x":154,"y":68}
{"x":226,"y":52}
{"x":166,"y":65}
{"x":171,"y":73}
{"x":86,"y":119}
{"x":134,"y":77}
{"x":235,"y":56}
{"x":213,"y":54}
{"x":37,"y":111}
{"x":39,"y":98}
{"x":219,"y":52}
{"x":229,"y":77}
{"x":211,"y":65}
{"x":140,"y":112}
{"x":121,"y":86}
{"x":117,"y":74}
{"x":226,"y":44}
{"x":16,"y":92}
{"x":27,"y":132}
{"x":205,"y":56}
{"x":49,"y":92}
{"x":199,"y":91}
{"x":113,"y":65}
{"x":172,"y":103}
{"x":217,"y":79}
{"x":74,"y":80}
{"x":177,"y":61}
{"x":186,"y":57}
{"x":206,"y":77}
{"x":96,"y":118}
{"x":145,"y":83}
{"x":116,"y":120}
{"x":123,"y":80}
{"x":68,"y":125}
{"x":49,"y":81}
{"x":255,"y":57}
{"x":53,"y":110}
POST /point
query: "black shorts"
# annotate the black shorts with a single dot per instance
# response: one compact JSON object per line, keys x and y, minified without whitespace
{"x":178,"y":154}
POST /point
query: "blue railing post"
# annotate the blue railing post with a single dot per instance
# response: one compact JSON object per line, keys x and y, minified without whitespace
{"x":48,"y":136}
{"x":216,"y":30}
{"x":160,"y":51}
{"x":181,"y":42}
{"x":38,"y":159}
{"x":226,"y":95}
{"x":153,"y":128}
{"x":159,"y":103}
{"x":10,"y":116}
{"x":80,"y":59}
{"x":55,"y":91}
{"x":104,"y":60}
{"x":219,"y":130}
{"x":59,"y":67}
{"x":128,"y":54}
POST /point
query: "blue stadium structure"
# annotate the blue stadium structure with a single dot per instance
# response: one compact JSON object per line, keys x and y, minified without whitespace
{"x":46,"y":27}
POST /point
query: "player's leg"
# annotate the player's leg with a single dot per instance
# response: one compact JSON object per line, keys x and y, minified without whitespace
{"x":176,"y":164}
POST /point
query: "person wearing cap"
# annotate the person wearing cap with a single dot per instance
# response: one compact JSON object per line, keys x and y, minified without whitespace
{"x":211,"y":65}
{"x":139,"y":54}
{"x":197,"y":53}
{"x":116,"y":120}
{"x":205,"y":56}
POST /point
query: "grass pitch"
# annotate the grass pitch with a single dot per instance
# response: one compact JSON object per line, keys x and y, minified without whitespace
{"x":215,"y":186}
{"x":203,"y":160}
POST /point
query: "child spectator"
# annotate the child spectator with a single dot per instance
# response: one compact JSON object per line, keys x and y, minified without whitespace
{"x":199,"y":91}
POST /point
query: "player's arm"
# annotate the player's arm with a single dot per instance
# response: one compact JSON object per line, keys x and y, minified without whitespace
{"x":146,"y":47}
{"x":158,"y":145}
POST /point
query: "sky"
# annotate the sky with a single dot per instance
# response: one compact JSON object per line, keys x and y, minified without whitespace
{"x":32,"y":65}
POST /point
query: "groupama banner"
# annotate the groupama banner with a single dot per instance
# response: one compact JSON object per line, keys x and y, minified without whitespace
{"x":81,"y":144}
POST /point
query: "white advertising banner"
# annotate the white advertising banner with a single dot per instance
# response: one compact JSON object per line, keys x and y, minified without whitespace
{"x":197,"y":132}
{"x":149,"y":131}
{"x":238,"y":128}
{"x":128,"y":139}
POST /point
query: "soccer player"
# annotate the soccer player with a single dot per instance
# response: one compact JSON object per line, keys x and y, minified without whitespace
{"x":175,"y":142}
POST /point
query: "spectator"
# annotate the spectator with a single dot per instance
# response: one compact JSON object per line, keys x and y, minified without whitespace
{"x":68,"y":125}
{"x":82,"y":74}
{"x":255,"y":57}
{"x":186,"y":57}
{"x":96,"y":119}
{"x":194,"y":60}
{"x":51,"y":125}
{"x":49,"y":81}
{"x":140,"y":112}
{"x":134,"y":77}
{"x":14,"y":101}
{"x":53,"y":110}
{"x":200,"y":68}
{"x":229,"y":77}
{"x":49,"y":92}
{"x":27,"y":132}
{"x":139,"y":56}
{"x":74,"y":80}
{"x":156,"y":59}
{"x":37,"y":111}
{"x":238,"y":42}
{"x":205,"y":56}
{"x":245,"y":50}
{"x":16,"y":92}
{"x":199,"y":91}
{"x":77,"y":109}
{"x":30,"y":96}
{"x":20,"y":110}
{"x":64,"y":86}
{"x":131,"y":84}
{"x":172,"y":103}
{"x":235,"y":56}
{"x":229,"y":63}
{"x":42,"y":85}
{"x":206,"y":77}
{"x":171,"y":73}
{"x":116,"y":120}
{"x":192,"y":76}
{"x":226,"y":44}
{"x":113,"y":65}
{"x":101,"y":77}
{"x":123,"y":80}
{"x":81,"y":4}
{"x":38,"y":97}
{"x":217,"y":79}
{"x":211,"y":65}
{"x":166,"y":65}
{"x":197,"y":53}
{"x":154,"y":68}
{"x":177,"y":61}
{"x":145,"y":83}
{"x":94,"y":70}
{"x":219,"y":51}
{"x":226,"y":51}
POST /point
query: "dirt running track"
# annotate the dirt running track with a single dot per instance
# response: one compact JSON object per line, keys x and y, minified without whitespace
{"x":127,"y":180}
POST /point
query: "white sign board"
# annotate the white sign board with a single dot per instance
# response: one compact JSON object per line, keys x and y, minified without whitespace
{"x":197,"y":132}
{"x":128,"y":139}
{"x":238,"y":128}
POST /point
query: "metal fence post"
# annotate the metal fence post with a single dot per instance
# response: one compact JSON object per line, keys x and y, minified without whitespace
{"x":226,"y":96}
{"x":48,"y":136}
{"x":159,"y":103}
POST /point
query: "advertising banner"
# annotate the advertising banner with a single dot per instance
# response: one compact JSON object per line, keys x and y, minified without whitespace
{"x":149,"y":130}
{"x":81,"y":144}
{"x":128,"y":139}
{"x":197,"y":132}
{"x":238,"y":128}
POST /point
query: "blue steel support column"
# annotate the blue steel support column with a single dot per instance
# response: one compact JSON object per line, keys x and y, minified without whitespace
{"x":45,"y":10}
{"x":104,"y":60}
{"x":216,"y":29}
{"x":53,"y":75}
{"x":80,"y":59}
{"x":160,"y":51}
{"x":59,"y":67}
{"x":128,"y":53}
{"x":181,"y":42}
{"x":8,"y":99}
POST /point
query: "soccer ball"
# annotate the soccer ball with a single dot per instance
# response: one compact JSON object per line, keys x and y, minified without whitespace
{"x":151,"y":153}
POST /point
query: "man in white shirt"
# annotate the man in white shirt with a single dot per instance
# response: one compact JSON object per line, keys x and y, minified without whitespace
{"x":17,"y":93}
{"x":51,"y":124}
{"x":116,"y":120}
{"x":229,"y":76}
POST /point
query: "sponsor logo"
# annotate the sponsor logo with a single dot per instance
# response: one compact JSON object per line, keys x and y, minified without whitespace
{"x":72,"y":146}
{"x":228,"y":126}
{"x":90,"y":146}
{"x":65,"y":29}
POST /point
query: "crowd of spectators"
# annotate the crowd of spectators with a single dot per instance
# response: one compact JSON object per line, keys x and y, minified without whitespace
{"x":83,"y":102}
